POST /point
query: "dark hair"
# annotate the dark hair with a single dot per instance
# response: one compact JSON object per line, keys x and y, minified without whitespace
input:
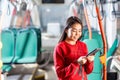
{"x":70,"y":21}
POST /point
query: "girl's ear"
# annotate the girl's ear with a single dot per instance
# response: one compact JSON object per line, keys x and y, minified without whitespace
{"x":66,"y":30}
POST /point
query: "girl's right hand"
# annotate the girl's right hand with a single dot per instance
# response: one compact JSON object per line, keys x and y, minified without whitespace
{"x":82,"y":60}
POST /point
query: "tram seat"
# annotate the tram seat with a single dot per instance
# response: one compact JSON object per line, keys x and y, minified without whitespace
{"x":6,"y":68}
{"x":95,"y":35}
{"x":26,"y":46}
{"x":96,"y":73}
{"x":40,"y":50}
{"x":7,"y":38}
{"x":20,"y":46}
{"x":113,"y":48}
{"x":39,"y":40}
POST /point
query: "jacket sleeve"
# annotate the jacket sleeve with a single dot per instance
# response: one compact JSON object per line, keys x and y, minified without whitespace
{"x":59,"y":62}
{"x":89,"y":67}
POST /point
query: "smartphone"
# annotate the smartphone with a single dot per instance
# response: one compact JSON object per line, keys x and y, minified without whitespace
{"x":94,"y":52}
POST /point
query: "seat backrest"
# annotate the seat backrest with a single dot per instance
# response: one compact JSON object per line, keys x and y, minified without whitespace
{"x":95,"y":35}
{"x":91,"y":45}
{"x":39,"y":43}
{"x":26,"y":46}
{"x":39,"y":40}
{"x":113,"y":48}
{"x":7,"y":38}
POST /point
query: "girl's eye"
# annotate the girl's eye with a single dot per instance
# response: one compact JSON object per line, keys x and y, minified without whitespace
{"x":74,"y":30}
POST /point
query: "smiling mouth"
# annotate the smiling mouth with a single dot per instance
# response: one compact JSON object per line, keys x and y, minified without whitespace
{"x":75,"y":38}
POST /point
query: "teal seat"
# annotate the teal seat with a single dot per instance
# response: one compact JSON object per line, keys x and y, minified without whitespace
{"x":96,"y":73}
{"x":6,"y":68}
{"x":7,"y":38}
{"x":40,"y":50}
{"x":95,"y":76}
{"x":26,"y":46}
{"x":113,"y":48}
{"x":95,"y":35}
{"x":111,"y":51}
{"x":39,"y":40}
{"x":41,"y":58}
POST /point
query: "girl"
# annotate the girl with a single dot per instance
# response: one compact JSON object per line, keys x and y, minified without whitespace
{"x":69,"y":54}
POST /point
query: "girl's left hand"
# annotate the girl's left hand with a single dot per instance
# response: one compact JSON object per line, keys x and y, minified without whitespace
{"x":82,"y":60}
{"x":91,"y":58}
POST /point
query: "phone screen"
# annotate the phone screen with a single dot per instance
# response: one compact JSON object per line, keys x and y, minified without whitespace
{"x":94,"y":51}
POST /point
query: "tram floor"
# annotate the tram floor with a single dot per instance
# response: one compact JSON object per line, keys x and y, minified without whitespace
{"x":25,"y":72}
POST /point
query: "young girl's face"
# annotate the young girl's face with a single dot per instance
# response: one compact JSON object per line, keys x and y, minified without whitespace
{"x":74,"y":33}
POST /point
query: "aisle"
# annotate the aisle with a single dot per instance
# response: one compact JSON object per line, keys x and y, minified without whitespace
{"x":50,"y":72}
{"x":24,"y":72}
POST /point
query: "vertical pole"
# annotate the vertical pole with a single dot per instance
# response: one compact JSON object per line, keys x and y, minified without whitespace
{"x":103,"y":57}
{"x":87,"y":20}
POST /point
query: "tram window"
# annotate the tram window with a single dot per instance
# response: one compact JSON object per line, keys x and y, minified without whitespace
{"x":52,"y":1}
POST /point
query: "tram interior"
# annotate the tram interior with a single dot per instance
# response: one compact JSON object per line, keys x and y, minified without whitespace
{"x":30,"y":29}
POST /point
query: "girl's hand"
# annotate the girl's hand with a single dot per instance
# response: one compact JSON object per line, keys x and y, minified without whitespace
{"x":90,"y":58}
{"x":82,"y":60}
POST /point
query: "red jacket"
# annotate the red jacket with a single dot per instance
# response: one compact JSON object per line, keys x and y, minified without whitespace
{"x":65,"y":57}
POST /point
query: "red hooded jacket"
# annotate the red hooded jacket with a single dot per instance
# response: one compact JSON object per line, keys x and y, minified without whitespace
{"x":65,"y":61}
